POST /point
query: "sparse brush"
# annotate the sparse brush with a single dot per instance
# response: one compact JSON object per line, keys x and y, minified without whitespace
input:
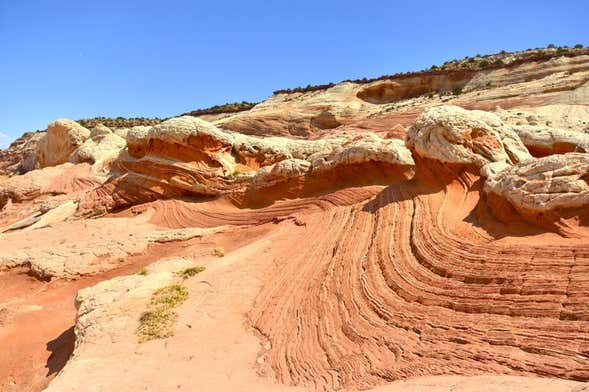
{"x":156,"y":324}
{"x":232,"y":107}
{"x":219,"y":252}
{"x":142,"y":271}
{"x":192,"y":271}
{"x":235,"y":174}
{"x":170,"y":296}
{"x":158,"y":321}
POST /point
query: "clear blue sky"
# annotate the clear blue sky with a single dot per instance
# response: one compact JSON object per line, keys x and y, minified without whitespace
{"x":75,"y":58}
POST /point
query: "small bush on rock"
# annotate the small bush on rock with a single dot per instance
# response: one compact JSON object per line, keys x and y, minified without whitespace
{"x":158,"y":322}
{"x":190,"y":272}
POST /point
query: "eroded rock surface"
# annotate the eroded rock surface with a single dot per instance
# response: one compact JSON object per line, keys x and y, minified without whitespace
{"x":190,"y":156}
{"x":99,"y":149}
{"x":544,"y":140}
{"x":546,"y":186}
{"x":62,"y":179}
{"x":100,"y":245}
{"x":21,"y":156}
{"x":357,"y":236}
{"x":453,"y":135}
{"x":60,"y":141}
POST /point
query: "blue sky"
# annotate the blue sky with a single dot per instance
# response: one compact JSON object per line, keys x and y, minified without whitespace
{"x":74,"y":59}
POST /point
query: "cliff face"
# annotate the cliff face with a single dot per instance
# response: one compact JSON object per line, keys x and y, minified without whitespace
{"x":306,"y":114}
{"x":343,"y":237}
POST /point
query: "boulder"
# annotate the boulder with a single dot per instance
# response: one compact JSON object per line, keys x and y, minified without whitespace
{"x":61,"y":140}
{"x":545,"y":184}
{"x":21,"y":156}
{"x":98,"y":148}
{"x":451,"y":134}
{"x":100,"y":130}
{"x":544,"y":140}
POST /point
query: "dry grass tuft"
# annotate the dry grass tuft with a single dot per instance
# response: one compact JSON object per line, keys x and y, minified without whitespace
{"x":158,"y":322}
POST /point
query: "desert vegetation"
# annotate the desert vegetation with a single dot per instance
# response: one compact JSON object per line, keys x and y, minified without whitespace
{"x":142,"y":271}
{"x":192,"y":271}
{"x":232,"y":107}
{"x":118,"y":122}
{"x":158,"y":321}
{"x":478,"y":62}
{"x":128,"y":122}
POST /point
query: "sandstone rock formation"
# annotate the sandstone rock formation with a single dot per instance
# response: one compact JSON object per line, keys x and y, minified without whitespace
{"x":189,"y":156}
{"x":62,"y":138}
{"x":571,"y":117}
{"x":21,"y":156}
{"x":100,"y":247}
{"x":453,"y":135}
{"x":543,"y":140}
{"x":545,"y":187}
{"x":62,"y":179}
{"x":376,"y":235}
{"x":98,"y":149}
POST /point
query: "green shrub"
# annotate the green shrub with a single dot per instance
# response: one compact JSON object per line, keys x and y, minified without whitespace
{"x":158,"y":322}
{"x":498,"y":62}
{"x":236,"y":173}
{"x":232,"y":107}
{"x":457,"y":91}
{"x":579,"y":46}
{"x":170,"y":296}
{"x":192,"y":271}
{"x":551,"y":46}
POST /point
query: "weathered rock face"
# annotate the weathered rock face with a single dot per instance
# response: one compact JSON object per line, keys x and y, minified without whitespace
{"x":99,"y":149}
{"x":388,"y":91}
{"x":455,"y":251}
{"x":544,"y":140}
{"x":189,"y":156}
{"x":544,"y":186}
{"x":300,"y":115}
{"x":62,"y":179}
{"x":21,"y":156}
{"x":100,"y":130}
{"x":100,"y":245}
{"x":60,"y":141}
{"x":570,"y":117}
{"x":453,"y":135}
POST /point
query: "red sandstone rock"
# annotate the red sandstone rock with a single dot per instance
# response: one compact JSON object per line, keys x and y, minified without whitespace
{"x":351,"y":260}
